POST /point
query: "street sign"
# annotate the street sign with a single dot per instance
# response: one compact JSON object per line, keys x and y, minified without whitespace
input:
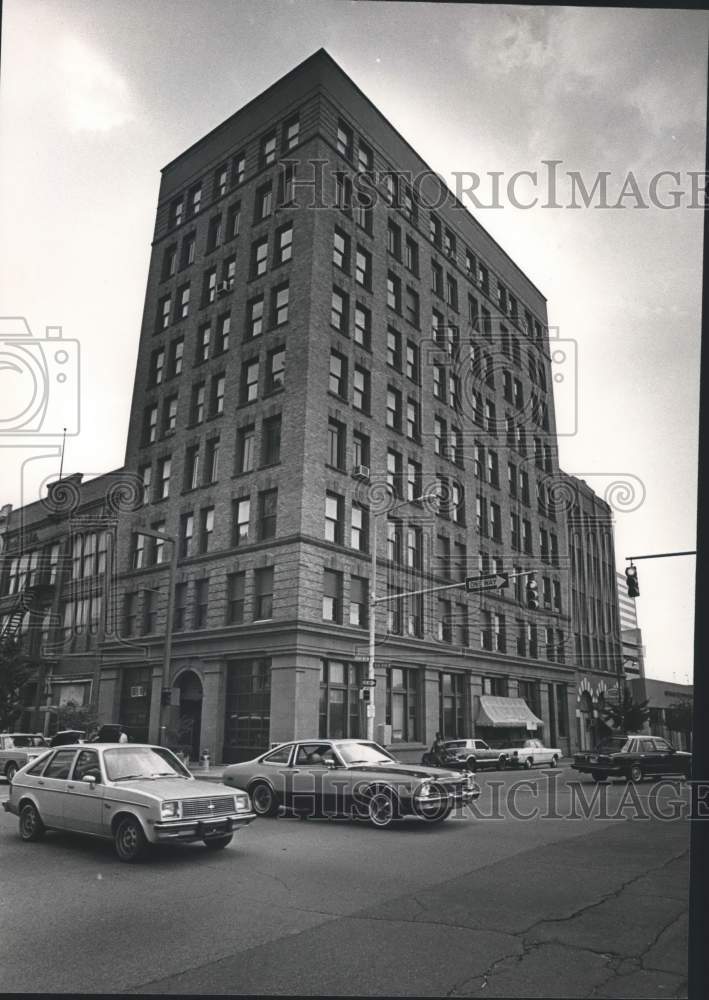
{"x":496,"y":581}
{"x":369,"y":682}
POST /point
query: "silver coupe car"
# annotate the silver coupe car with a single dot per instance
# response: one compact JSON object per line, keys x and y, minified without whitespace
{"x":131,"y":793}
{"x":353,"y":778}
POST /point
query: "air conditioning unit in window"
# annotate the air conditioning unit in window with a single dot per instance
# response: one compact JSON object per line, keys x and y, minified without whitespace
{"x":223,"y":287}
{"x":361,"y":472}
{"x":138,"y":691}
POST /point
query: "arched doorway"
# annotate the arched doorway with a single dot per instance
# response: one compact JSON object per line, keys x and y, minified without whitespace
{"x":190,"y":723}
{"x":585,"y":720}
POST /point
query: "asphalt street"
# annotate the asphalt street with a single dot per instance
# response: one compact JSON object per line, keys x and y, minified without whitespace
{"x":491,"y":904}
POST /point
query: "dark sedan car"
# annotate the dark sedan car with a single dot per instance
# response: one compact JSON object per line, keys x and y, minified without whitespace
{"x":633,"y":757}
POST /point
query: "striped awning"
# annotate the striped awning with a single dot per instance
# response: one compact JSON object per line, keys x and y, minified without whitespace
{"x":506,"y":712}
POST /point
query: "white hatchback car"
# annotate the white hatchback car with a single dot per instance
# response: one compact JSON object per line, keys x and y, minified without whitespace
{"x":131,"y":793}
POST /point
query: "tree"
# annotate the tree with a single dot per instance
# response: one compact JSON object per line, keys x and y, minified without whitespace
{"x":16,"y":669}
{"x":678,"y":718}
{"x":629,"y":716}
{"x":73,"y":716}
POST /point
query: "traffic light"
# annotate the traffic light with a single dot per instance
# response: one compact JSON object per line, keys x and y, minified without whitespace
{"x":532,"y":594}
{"x":631,"y":578}
{"x":365,"y":693}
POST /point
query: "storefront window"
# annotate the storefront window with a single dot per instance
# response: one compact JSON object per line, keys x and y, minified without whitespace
{"x":341,"y":709}
{"x":452,"y":705}
{"x":247,"y":719}
{"x":402,"y":712}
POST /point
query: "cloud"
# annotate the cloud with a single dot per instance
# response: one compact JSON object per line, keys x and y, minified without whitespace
{"x":95,"y":96}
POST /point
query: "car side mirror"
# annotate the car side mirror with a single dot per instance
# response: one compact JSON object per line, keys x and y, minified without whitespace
{"x":89,"y":779}
{"x":329,"y":764}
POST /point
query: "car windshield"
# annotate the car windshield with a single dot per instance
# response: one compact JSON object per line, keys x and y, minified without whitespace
{"x":363,"y":753}
{"x":613,"y":744}
{"x":127,"y":762}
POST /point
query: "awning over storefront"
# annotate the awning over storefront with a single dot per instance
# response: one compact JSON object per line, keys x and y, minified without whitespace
{"x":506,"y":712}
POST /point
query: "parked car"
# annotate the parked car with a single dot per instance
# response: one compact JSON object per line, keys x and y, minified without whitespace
{"x":633,"y":756}
{"x":527,"y":753}
{"x":131,"y":793}
{"x":67,"y":737}
{"x":354,"y":778}
{"x":468,"y":755}
{"x":16,"y":749}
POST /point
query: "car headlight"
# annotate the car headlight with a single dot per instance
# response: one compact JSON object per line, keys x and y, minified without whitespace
{"x":241,"y":802}
{"x":170,"y":810}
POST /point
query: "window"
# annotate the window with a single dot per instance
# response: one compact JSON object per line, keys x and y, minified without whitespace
{"x":414,"y":551}
{"x":245,"y":448}
{"x":344,"y":140}
{"x":394,"y":239}
{"x":138,"y":554}
{"x":362,"y":326}
{"x":291,"y":133}
{"x":186,"y":535}
{"x":527,"y":537}
{"x":206,"y":528}
{"x":146,"y":474}
{"x":435,"y":230}
{"x":402,"y":710}
{"x":339,"y":311}
{"x":412,"y":256}
{"x":201,"y":602}
{"x":414,"y":481}
{"x":452,"y":291}
{"x":279,"y":304}
{"x":259,"y":257}
{"x":445,"y":630}
{"x":177,"y":349}
{"x":343,"y":193}
{"x":267,"y":512}
{"x":363,"y":268}
{"x":436,"y":278}
{"x":336,"y":444}
{"x":263,"y":593}
{"x":188,"y":250}
{"x":275,"y":369}
{"x":393,"y":410}
{"x":209,"y":286}
{"x":211,"y":464}
{"x":254,"y":320}
{"x":228,"y":274}
{"x":413,"y":419}
{"x":439,"y":382}
{"x":214,"y":233}
{"x":394,"y":348}
{"x":481,"y":515}
{"x":338,"y":375}
{"x":359,"y":532}
{"x":194,"y":200}
{"x":359,"y":601}
{"x":180,"y":606}
{"x":394,"y":292}
{"x":365,"y":156}
{"x":271,"y":441}
{"x":197,"y":403}
{"x":241,"y":514}
{"x":284,"y":244}
{"x":394,"y":471}
{"x":217,"y":398}
{"x":176,"y":208}
{"x":223,"y":329}
{"x":493,"y":469}
{"x":263,"y":202}
{"x":495,"y":522}
{"x":169,"y":262}
{"x":191,"y":480}
{"x":412,"y":361}
{"x":360,"y":389}
{"x":164,"y":466}
{"x":183,"y":302}
{"x":203,"y":338}
{"x":341,"y":250}
{"x":233,"y":221}
{"x":157,"y":366}
{"x":169,"y":415}
{"x":394,"y":623}
{"x":235,"y":598}
{"x":439,"y":436}
{"x":360,"y":444}
{"x":332,"y":596}
{"x":334,"y":518}
{"x":221,"y":181}
{"x":267,"y":150}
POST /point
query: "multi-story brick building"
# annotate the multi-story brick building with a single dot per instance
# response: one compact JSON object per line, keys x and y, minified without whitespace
{"x":325,"y":325}
{"x":595,"y":617}
{"x":56,"y":592}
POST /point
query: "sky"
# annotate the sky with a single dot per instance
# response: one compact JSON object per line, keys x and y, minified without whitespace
{"x":96,"y":97}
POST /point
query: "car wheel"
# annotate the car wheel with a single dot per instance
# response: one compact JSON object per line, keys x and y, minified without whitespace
{"x":129,"y":840}
{"x":11,"y":770}
{"x":527,"y":763}
{"x":381,"y":810}
{"x":441,"y":816}
{"x":471,"y":764}
{"x":263,"y":799}
{"x":218,"y":843}
{"x":635,"y":773}
{"x":31,"y":825}
{"x":554,"y":761}
{"x":598,"y":776}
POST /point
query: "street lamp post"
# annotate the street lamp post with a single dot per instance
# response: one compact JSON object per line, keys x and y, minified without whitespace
{"x":167,"y":646}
